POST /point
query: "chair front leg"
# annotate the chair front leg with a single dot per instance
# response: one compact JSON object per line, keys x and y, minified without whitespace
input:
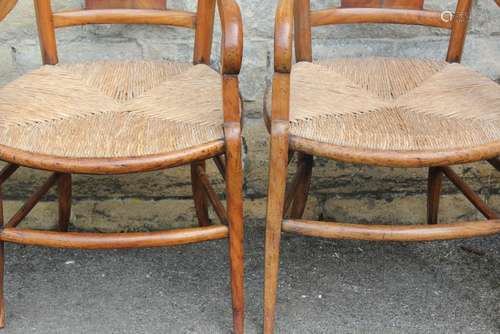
{"x":234,"y":184}
{"x":234,"y":190}
{"x":278,"y":170}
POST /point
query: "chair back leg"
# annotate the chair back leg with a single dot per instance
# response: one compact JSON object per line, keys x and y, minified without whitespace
{"x":304,"y":173}
{"x":435,"y":181}
{"x":199,"y":196}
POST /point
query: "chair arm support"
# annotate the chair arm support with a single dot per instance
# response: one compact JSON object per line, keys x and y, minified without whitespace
{"x":5,"y":7}
{"x":283,"y":35}
{"x":232,"y":36}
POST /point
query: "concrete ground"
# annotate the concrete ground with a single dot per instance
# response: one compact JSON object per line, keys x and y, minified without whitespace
{"x":325,"y":287}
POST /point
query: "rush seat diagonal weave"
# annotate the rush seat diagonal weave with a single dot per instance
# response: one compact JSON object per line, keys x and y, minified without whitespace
{"x":393,"y":104}
{"x":112,"y":109}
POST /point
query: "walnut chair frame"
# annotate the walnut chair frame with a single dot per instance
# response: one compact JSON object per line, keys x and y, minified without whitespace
{"x":226,"y":153}
{"x":294,"y":20}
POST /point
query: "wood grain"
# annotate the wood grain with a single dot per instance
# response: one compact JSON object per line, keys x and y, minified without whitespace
{"x":234,"y":192}
{"x":459,"y":31}
{"x":303,"y":39}
{"x":283,"y":37}
{"x":46,"y":32}
{"x":79,"y":240}
{"x":204,"y":32}
{"x":401,"y":4}
{"x":124,"y":16}
{"x":132,"y":4}
{"x":107,"y":166}
{"x":378,"y":15}
{"x":392,"y":232}
{"x":232,"y":36}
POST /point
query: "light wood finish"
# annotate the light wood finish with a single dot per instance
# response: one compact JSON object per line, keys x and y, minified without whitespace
{"x":276,"y":194}
{"x":459,"y":31}
{"x":212,"y":195}
{"x":469,"y":193}
{"x":33,"y":200}
{"x":303,"y":39}
{"x":65,"y":195}
{"x":405,"y":4}
{"x":204,"y":31}
{"x":79,"y":240}
{"x":46,"y":31}
{"x":227,"y":140}
{"x":199,"y":196}
{"x":5,"y":7}
{"x":124,"y":16}
{"x":112,"y":166}
{"x":413,"y":159}
{"x":377,"y":15}
{"x":407,"y":159}
{"x":329,"y":138}
{"x":283,"y":36}
{"x":134,"y":4}
{"x":435,"y":180}
{"x":234,"y":190}
{"x":232,"y":37}
{"x":392,"y":233}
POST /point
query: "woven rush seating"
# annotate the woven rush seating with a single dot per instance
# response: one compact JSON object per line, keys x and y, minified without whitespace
{"x":112,"y":109}
{"x":393,"y":104}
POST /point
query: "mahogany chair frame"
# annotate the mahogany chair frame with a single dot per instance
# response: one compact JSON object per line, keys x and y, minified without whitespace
{"x":226,"y":152}
{"x":294,"y":22}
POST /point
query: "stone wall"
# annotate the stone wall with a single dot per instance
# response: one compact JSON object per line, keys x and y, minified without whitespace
{"x":340,"y":191}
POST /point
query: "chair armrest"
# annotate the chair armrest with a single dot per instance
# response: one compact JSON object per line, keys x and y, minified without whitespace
{"x":283,"y":34}
{"x":232,"y":36}
{"x":5,"y":7}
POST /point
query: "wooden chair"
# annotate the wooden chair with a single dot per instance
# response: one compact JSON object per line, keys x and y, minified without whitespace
{"x":375,"y":111}
{"x":120,"y":117}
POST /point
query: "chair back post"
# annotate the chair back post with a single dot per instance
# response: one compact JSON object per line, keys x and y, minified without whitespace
{"x":303,"y":38}
{"x":46,"y":31}
{"x":204,"y":31}
{"x":459,"y":31}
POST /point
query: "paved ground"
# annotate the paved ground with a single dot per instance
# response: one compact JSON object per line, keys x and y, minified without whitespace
{"x":325,"y":287}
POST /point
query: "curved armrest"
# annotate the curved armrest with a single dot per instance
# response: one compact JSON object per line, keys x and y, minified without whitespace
{"x":232,"y":36}
{"x":5,"y":7}
{"x":283,"y":34}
